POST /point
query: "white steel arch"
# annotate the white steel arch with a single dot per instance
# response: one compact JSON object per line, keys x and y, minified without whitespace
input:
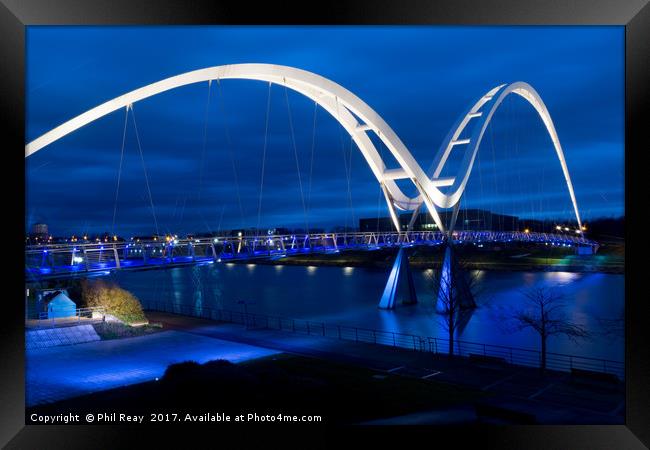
{"x":482,"y":111}
{"x":346,"y":107}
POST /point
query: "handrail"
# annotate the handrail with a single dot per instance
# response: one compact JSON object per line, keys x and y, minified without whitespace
{"x":386,"y":236}
{"x":42,"y":317}
{"x":436,"y":345}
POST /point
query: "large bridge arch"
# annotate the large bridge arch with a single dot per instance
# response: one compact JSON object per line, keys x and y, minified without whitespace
{"x":342,"y":104}
{"x":346,"y":107}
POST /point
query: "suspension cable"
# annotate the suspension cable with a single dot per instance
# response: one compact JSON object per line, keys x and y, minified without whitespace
{"x":480,"y":179}
{"x":266,"y":135}
{"x":230,"y":152}
{"x":349,"y":176}
{"x":345,"y":163}
{"x":205,"y":139}
{"x":379,"y":194}
{"x":146,"y":177}
{"x":295,"y":152}
{"x":311,"y":164}
{"x":223,"y":207}
{"x":494,"y":164}
{"x":119,"y":172}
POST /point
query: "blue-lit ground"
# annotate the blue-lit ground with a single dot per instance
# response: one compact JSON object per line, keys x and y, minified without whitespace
{"x":57,"y":373}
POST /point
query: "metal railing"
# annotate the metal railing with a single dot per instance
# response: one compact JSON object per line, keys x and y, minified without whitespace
{"x":435,"y":345}
{"x":51,"y":318}
{"x":70,"y":259}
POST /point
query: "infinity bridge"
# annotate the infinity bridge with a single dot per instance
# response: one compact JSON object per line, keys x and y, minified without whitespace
{"x":439,"y":188}
{"x":66,"y":259}
{"x":358,"y":119}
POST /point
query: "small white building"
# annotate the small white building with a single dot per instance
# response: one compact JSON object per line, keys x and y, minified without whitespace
{"x":60,"y":305}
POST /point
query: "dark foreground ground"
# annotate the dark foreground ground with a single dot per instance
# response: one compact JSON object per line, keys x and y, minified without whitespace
{"x":349,"y":383}
{"x":280,"y":384}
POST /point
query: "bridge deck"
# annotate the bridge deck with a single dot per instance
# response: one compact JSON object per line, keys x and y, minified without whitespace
{"x":70,"y":259}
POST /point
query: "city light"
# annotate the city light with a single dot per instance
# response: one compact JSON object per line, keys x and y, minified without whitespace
{"x":526,"y":230}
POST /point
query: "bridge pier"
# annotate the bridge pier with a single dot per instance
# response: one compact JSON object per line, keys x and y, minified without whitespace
{"x":400,"y":283}
{"x":116,"y":255}
{"x":453,"y":289}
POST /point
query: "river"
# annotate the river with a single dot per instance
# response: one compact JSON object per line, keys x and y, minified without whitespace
{"x":349,"y":296}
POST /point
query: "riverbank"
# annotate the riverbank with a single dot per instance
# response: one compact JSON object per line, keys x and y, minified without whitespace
{"x":290,"y":374}
{"x":610,"y":259}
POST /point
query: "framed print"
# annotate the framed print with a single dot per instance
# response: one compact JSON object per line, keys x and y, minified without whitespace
{"x":353,"y":220}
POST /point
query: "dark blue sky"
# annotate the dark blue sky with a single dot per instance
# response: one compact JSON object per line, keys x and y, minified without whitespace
{"x":419,"y":79}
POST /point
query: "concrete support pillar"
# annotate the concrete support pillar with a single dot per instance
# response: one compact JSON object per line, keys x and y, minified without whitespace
{"x":453,"y":286}
{"x":86,"y":263}
{"x":117,"y":257}
{"x":400,"y":284}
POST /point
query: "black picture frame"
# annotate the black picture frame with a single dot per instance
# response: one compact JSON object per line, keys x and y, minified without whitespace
{"x":633,"y":14}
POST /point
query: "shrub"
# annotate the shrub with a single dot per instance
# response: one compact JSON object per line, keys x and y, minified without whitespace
{"x":115,"y":300}
{"x":186,"y":371}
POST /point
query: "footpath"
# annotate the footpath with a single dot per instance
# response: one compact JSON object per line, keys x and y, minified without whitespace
{"x":552,"y":398}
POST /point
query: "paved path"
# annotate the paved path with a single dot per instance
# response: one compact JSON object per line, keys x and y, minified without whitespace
{"x":57,"y":373}
{"x":552,"y":398}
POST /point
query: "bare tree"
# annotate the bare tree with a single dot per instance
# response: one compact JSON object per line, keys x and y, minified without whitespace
{"x":457,"y":289}
{"x":546,"y":315}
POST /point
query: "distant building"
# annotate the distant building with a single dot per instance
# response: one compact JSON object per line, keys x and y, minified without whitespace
{"x":468,"y":219}
{"x":278,"y":231}
{"x":40,"y":229}
{"x":38,"y":234}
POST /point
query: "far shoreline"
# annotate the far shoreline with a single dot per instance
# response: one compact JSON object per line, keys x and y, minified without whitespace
{"x":423,"y":265}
